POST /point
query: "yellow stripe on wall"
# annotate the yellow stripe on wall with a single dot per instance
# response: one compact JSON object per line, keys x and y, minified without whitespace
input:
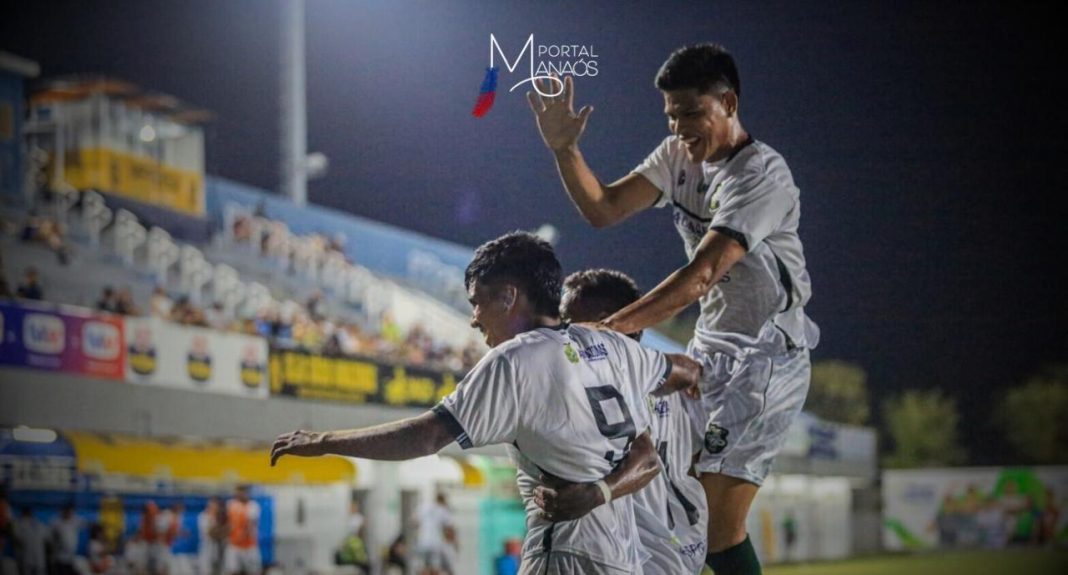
{"x":184,"y":460}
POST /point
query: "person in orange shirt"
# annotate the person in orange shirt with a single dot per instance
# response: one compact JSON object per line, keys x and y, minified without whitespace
{"x":242,"y":546}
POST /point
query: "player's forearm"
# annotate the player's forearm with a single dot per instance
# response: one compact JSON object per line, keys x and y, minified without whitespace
{"x":685,"y":374}
{"x":683,"y":287}
{"x":713,"y":259}
{"x":636,"y":470}
{"x":395,"y":441}
{"x":583,"y":187}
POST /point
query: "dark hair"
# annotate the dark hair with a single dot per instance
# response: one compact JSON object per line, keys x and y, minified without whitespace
{"x":610,"y":289}
{"x":702,"y":67}
{"x":526,"y":260}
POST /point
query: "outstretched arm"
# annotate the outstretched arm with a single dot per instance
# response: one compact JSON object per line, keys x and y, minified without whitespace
{"x":713,"y":258}
{"x":562,"y":500}
{"x":399,"y":440}
{"x":561,"y":129}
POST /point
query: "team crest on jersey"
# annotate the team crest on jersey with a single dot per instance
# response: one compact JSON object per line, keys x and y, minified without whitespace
{"x":713,"y":204}
{"x":715,"y":438}
{"x":571,"y":354}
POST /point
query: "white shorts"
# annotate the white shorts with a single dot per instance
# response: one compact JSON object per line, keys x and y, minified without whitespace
{"x":749,"y":405}
{"x":238,"y":560}
{"x":563,"y":563}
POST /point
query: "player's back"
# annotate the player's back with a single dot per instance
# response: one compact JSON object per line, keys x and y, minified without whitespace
{"x":581,"y":406}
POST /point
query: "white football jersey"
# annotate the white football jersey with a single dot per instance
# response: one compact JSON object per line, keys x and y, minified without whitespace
{"x":569,"y":401}
{"x":673,"y":504}
{"x":751,"y":197}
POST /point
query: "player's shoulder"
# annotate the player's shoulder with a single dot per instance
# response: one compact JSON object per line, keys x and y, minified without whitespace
{"x":531,"y":343}
{"x":760,"y":164}
{"x":670,"y":149}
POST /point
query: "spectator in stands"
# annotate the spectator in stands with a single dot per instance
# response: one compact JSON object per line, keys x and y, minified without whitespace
{"x":47,"y":231}
{"x":124,"y":302}
{"x":5,"y":287}
{"x":30,"y":288}
{"x":185,"y":313}
{"x":390,"y":330}
{"x":160,"y":303}
{"x":108,"y":301}
{"x":65,"y":531}
{"x":217,"y":317}
{"x":31,"y":536}
{"x":307,"y":334}
{"x":316,"y":306}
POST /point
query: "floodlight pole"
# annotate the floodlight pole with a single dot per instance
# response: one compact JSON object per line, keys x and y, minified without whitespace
{"x":294,"y":128}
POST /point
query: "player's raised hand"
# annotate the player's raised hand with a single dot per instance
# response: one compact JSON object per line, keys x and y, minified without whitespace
{"x":300,"y":442}
{"x":560,"y":127}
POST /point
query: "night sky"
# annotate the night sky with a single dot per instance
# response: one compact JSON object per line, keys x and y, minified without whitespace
{"x":923,"y":137}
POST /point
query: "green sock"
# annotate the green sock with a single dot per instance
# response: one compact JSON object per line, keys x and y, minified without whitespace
{"x":738,"y":560}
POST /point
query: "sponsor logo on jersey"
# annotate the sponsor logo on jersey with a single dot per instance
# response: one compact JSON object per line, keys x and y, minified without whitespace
{"x":252,"y":367}
{"x":570,"y":353}
{"x":100,"y":340}
{"x":595,"y":352}
{"x":661,"y":408}
{"x":142,"y":352}
{"x":715,"y":438}
{"x":696,"y":549}
{"x":198,"y":360}
{"x":688,"y":224}
{"x":43,"y":333}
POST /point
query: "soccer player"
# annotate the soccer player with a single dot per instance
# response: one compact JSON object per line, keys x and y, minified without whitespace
{"x":565,"y":398}
{"x":671,"y":512}
{"x":736,"y":207}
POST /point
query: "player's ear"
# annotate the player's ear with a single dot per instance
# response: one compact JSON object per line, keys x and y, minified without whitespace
{"x":730,"y":103}
{"x":509,"y":294}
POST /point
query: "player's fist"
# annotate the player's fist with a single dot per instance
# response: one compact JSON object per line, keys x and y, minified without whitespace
{"x":300,"y":442}
{"x":561,"y":500}
{"x":685,"y":376}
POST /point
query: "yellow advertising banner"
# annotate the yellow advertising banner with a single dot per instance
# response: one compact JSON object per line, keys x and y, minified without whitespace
{"x":135,"y":177}
{"x":356,"y":380}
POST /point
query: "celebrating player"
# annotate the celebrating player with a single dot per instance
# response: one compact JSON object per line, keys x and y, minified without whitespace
{"x":565,"y":398}
{"x":737,"y":209}
{"x":671,"y":513}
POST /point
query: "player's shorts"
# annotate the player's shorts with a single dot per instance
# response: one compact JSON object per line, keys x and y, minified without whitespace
{"x":238,"y":560}
{"x":749,"y":405}
{"x":563,"y":563}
